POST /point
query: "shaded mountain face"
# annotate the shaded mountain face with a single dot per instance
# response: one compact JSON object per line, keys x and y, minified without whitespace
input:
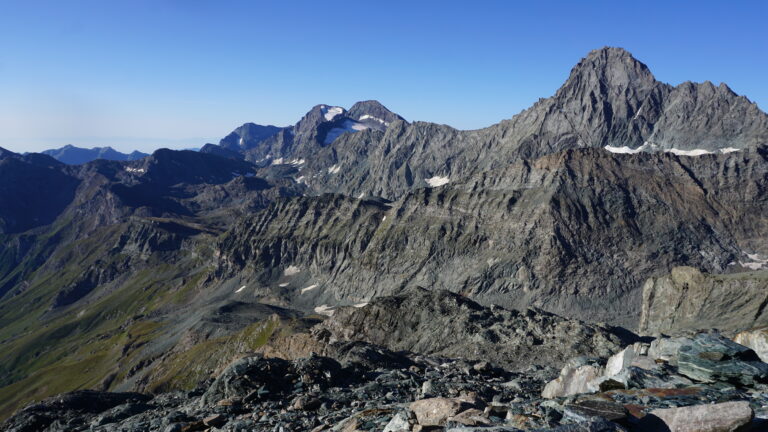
{"x":247,"y":136}
{"x":35,"y":191}
{"x":72,"y":155}
{"x":575,"y":232}
{"x":121,"y":275}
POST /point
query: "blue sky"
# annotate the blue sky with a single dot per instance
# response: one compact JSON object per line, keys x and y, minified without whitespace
{"x":179,"y":73}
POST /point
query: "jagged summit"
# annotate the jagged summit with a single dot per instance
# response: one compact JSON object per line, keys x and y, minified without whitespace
{"x":372,"y":110}
{"x":613,"y":67}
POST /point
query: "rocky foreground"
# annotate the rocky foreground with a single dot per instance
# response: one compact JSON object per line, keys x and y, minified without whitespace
{"x":705,"y":382}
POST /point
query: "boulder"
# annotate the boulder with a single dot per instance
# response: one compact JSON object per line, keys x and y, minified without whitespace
{"x":267,"y":377}
{"x":436,"y":411}
{"x":666,"y":349}
{"x":711,"y":357}
{"x":721,"y":417}
{"x":756,"y":339}
{"x":471,"y":417}
{"x":398,"y":423}
{"x":575,"y":378}
{"x":625,"y":358}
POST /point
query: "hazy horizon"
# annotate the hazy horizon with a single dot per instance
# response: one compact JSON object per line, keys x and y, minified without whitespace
{"x":178,"y":74}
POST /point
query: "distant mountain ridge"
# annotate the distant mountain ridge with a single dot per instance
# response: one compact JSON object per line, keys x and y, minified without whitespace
{"x":72,"y":155}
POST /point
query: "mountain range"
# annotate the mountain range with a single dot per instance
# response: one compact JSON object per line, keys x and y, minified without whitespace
{"x":72,"y":155}
{"x":120,"y":274}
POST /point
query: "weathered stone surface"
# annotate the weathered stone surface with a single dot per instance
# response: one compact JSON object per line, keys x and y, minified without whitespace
{"x":712,"y":357}
{"x":436,"y":411}
{"x":624,"y":358}
{"x":592,"y":426}
{"x":756,"y":339}
{"x":574,"y":379}
{"x":666,"y":349}
{"x":689,"y":300}
{"x":439,"y":322}
{"x":722,"y":417}
{"x":399,"y":423}
{"x":585,"y":410}
{"x":471,"y":417}
{"x":215,"y":420}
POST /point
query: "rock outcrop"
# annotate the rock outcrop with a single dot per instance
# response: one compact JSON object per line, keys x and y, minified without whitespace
{"x":688,"y":300}
{"x":444,"y":323}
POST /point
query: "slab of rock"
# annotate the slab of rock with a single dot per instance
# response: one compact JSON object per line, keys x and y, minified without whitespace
{"x":666,"y":349}
{"x":756,"y":339}
{"x":622,"y":359}
{"x":399,"y":423}
{"x":471,"y":417}
{"x":575,"y":378}
{"x":586,"y":410}
{"x":436,"y":411}
{"x":594,"y":426}
{"x":215,"y":420}
{"x":711,"y":357}
{"x":722,"y":417}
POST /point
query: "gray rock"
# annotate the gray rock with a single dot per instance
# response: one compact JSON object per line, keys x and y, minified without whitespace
{"x":722,"y":417}
{"x":711,"y":357}
{"x":689,"y":300}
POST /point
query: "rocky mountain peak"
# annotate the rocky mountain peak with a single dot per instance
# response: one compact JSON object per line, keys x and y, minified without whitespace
{"x":248,"y":136}
{"x":372,"y":111}
{"x":318,"y":114}
{"x":611,"y":67}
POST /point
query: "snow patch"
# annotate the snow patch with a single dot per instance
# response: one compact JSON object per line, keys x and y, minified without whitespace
{"x":300,"y":179}
{"x":291,"y":270}
{"x":242,"y":141}
{"x":331,"y":113}
{"x":623,"y":150}
{"x":278,"y":161}
{"x":694,"y":152}
{"x":309,"y":288}
{"x":136,"y":170}
{"x":347,"y":126}
{"x":359,"y":305}
{"x":370,"y":117}
{"x":324,"y":309}
{"x":649,"y":146}
{"x":384,"y":218}
{"x":334,"y":169}
{"x":283,"y":285}
{"x":437,"y":181}
{"x":757,"y":262}
{"x":361,"y":196}
{"x":240,"y":289}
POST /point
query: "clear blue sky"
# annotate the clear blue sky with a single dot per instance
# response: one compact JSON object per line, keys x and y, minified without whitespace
{"x":178,"y":73}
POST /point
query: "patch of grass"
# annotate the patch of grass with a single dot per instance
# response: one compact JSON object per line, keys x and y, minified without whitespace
{"x":184,"y":370}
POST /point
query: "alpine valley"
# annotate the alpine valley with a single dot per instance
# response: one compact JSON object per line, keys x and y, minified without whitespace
{"x":359,"y":271}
